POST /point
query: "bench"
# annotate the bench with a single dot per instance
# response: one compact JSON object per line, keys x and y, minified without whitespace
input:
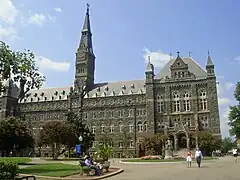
{"x":85,"y":169}
{"x":106,"y":166}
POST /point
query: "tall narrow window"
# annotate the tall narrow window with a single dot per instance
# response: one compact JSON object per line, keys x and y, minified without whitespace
{"x":131,"y":128}
{"x":176,"y":102}
{"x":102,"y":128}
{"x":140,"y":126}
{"x":160,"y":104}
{"x":186,"y":102}
{"x":145,"y":126}
{"x":111,"y":128}
{"x":93,"y":129}
{"x":203,"y":101}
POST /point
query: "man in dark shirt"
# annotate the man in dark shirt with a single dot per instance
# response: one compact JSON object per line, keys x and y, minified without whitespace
{"x":88,"y":162}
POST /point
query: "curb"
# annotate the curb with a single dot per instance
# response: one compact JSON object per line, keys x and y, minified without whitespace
{"x":87,"y":178}
{"x":122,"y":162}
{"x":167,"y":162}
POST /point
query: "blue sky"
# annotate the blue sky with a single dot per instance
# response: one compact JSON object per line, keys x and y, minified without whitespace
{"x":124,"y":33}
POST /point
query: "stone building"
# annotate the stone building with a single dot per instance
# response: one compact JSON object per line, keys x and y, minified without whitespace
{"x":178,"y":100}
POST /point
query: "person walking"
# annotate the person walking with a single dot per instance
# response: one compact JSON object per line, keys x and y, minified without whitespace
{"x":235,"y":154}
{"x":198,"y":156}
{"x":189,"y":159}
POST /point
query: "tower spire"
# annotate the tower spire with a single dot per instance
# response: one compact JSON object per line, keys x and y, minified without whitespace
{"x":86,"y":25}
{"x":209,"y":60}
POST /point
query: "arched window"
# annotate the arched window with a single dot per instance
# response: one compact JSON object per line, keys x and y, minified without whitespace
{"x":176,"y":102}
{"x":140,"y":126}
{"x":145,"y":126}
{"x":160,"y":104}
{"x":186,"y":101}
{"x":202,"y":100}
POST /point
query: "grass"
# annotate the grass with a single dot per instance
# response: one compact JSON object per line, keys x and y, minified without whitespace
{"x":18,"y":160}
{"x":60,"y":159}
{"x":52,"y":170}
{"x":164,"y":160}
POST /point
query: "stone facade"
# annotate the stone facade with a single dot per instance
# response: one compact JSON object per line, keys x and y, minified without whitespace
{"x":180,"y":99}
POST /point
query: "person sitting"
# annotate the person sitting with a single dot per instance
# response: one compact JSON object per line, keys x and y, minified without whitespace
{"x":88,"y":162}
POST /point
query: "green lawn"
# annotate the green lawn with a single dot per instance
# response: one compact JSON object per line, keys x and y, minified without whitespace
{"x":164,"y":160}
{"x":53,"y":170}
{"x":18,"y":160}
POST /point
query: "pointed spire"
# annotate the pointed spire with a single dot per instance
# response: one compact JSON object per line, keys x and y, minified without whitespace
{"x":209,"y":60}
{"x":86,"y":39}
{"x":170,"y":55}
{"x":149,"y":65}
{"x":86,"y":25}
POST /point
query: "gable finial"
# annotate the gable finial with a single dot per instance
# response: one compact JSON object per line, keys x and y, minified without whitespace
{"x":178,"y":53}
{"x":88,"y":8}
{"x":170,"y":55}
{"x":189,"y":54}
{"x":149,"y":58}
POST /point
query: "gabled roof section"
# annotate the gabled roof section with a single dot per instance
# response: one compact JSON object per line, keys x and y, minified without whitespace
{"x":193,"y":67}
{"x":178,"y":63}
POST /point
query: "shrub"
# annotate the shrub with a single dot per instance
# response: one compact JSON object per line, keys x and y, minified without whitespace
{"x":151,"y":157}
{"x":8,"y":170}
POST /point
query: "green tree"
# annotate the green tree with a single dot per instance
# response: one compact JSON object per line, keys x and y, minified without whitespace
{"x":80,"y":129}
{"x":207,"y":142}
{"x":21,"y":67}
{"x":227,"y":144}
{"x":154,"y":145}
{"x":14,"y":136}
{"x":234,"y":114}
{"x":55,"y":134}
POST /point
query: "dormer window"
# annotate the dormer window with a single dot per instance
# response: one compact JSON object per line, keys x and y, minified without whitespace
{"x":35,"y":95}
{"x":60,"y":97}
{"x":63,"y":92}
{"x":56,"y":93}
{"x":31,"y":99}
{"x":45,"y":98}
{"x":132,"y":86}
{"x":52,"y":98}
{"x":38,"y":99}
{"x":124,"y":87}
{"x":98,"y":89}
{"x":42,"y":94}
{"x":106,"y":88}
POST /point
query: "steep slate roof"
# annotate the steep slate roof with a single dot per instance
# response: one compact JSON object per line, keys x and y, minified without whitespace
{"x":101,"y":90}
{"x":193,"y":67}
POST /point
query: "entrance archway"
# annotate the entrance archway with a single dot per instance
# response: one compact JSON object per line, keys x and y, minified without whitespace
{"x":192,"y":142}
{"x":182,"y":140}
{"x":171,"y":138}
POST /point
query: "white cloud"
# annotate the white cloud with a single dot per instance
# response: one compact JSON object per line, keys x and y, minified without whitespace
{"x":47,"y":64}
{"x":224,"y":101}
{"x":38,"y":19}
{"x":7,"y":33}
{"x":8,"y":12}
{"x":229,"y":85}
{"x":51,"y":18}
{"x":158,"y":58}
{"x":58,"y":9}
{"x":237,"y":58}
{"x":224,"y":122}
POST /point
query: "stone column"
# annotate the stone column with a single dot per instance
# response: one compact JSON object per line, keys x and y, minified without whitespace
{"x":175,"y":143}
{"x":188,"y":142}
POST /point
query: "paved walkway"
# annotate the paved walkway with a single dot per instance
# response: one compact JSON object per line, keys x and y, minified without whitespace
{"x":211,"y":170}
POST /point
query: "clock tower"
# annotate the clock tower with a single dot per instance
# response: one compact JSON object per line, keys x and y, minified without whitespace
{"x":85,"y":58}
